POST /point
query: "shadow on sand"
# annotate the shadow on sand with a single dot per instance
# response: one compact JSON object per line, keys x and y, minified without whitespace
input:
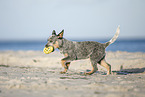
{"x":129,"y":71}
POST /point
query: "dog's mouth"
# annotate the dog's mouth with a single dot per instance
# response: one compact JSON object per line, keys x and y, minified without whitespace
{"x":48,"y":50}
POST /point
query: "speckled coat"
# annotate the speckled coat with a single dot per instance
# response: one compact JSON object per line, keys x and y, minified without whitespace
{"x":82,"y":50}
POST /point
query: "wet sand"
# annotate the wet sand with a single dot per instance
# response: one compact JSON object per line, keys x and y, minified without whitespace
{"x":33,"y":73}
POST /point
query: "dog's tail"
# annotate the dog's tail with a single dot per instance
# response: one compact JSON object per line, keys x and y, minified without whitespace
{"x":114,"y":37}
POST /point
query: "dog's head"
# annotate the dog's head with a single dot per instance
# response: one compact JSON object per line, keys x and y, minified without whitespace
{"x":55,"y":40}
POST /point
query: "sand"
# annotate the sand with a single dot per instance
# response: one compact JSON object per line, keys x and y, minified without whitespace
{"x":35,"y":74}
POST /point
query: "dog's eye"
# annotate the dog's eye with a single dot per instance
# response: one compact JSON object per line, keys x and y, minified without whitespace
{"x":50,"y":40}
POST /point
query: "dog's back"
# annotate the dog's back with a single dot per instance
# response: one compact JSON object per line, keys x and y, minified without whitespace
{"x":86,"y":48}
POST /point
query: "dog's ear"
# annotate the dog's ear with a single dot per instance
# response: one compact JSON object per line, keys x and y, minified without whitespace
{"x":60,"y":35}
{"x":53,"y":32}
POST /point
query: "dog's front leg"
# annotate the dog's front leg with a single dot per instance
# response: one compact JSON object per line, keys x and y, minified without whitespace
{"x":65,"y":64}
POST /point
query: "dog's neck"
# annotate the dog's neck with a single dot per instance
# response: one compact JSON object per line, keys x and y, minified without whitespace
{"x":64,"y":44}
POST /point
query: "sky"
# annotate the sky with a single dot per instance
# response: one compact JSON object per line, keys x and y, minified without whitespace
{"x":80,"y":19}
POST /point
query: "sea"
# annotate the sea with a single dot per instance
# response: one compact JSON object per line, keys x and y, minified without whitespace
{"x":132,"y":45}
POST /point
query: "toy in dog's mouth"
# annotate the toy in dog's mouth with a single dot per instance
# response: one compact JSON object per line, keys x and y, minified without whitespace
{"x":48,"y":50}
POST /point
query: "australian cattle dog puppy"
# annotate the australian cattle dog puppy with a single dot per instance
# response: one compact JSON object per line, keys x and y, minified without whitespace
{"x":72,"y":50}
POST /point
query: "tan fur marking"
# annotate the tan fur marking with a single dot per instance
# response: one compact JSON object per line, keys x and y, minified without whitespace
{"x":56,"y":45}
{"x":106,"y":65}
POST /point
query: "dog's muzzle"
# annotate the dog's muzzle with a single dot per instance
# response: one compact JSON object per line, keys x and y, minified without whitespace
{"x":48,"y":49}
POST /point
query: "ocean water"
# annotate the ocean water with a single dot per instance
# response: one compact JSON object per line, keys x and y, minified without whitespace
{"x":119,"y":45}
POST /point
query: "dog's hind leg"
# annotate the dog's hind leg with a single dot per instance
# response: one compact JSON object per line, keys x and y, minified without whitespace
{"x":94,"y":67}
{"x":106,"y":65}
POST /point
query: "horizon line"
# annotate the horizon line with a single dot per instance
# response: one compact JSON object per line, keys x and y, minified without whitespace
{"x":72,"y":39}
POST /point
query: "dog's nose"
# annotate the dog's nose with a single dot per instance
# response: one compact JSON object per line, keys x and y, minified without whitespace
{"x":46,"y":45}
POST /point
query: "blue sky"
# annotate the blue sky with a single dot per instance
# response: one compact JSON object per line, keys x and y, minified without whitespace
{"x":81,"y":19}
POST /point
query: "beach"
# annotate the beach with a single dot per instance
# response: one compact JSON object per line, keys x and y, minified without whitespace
{"x":35,"y":74}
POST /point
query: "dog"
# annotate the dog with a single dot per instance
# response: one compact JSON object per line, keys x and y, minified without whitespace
{"x":72,"y":50}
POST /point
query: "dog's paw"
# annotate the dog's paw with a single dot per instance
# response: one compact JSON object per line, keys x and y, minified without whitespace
{"x":109,"y":73}
{"x":62,"y":72}
{"x":88,"y":73}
